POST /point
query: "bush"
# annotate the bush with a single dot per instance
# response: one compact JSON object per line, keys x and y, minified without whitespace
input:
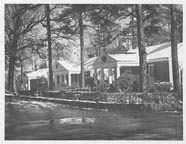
{"x":89,"y":82}
{"x":75,"y":84}
{"x":163,"y":87}
{"x":151,"y":84}
{"x":128,"y":82}
{"x":112,"y":88}
{"x":64,"y":86}
{"x":103,"y":87}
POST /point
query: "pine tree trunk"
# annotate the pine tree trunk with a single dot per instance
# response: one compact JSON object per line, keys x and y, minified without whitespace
{"x":21,"y":62}
{"x":82,"y":50}
{"x":142,"y":51}
{"x":49,"y":48}
{"x":174,"y":52}
{"x":133,"y":46}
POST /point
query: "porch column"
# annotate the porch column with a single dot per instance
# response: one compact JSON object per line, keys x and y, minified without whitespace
{"x":117,"y":71}
{"x":77,"y":80}
{"x":65,"y":79}
{"x":170,"y":72}
{"x":69,"y":79}
{"x":55,"y":81}
{"x":102,"y":75}
{"x":110,"y":75}
{"x":28,"y":84}
{"x":95,"y":76}
{"x":62,"y":79}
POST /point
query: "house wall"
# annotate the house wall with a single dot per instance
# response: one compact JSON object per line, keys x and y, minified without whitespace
{"x":134,"y":70}
{"x":161,"y":70}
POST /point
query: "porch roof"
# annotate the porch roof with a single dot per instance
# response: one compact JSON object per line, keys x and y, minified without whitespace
{"x":38,"y":74}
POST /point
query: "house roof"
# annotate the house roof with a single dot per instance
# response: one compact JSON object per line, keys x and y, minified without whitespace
{"x":75,"y":66}
{"x":89,"y":63}
{"x":69,"y":66}
{"x":162,"y":51}
{"x":134,"y":57}
{"x":37,"y":74}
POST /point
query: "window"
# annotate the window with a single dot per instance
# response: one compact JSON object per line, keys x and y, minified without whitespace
{"x":58,"y":80}
{"x":98,"y":74}
{"x":106,"y":76}
{"x":151,"y":70}
{"x":62,"y":78}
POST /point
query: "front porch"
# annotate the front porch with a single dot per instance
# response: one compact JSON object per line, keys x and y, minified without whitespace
{"x":108,"y":68}
{"x":66,"y":74}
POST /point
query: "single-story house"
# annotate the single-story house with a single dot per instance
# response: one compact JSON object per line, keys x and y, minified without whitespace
{"x":65,"y":72}
{"x":109,"y":67}
{"x":30,"y":79}
{"x":68,"y":72}
{"x":159,"y":61}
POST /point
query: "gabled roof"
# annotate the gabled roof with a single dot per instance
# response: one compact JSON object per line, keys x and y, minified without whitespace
{"x":89,"y":63}
{"x":69,"y":66}
{"x":37,"y":74}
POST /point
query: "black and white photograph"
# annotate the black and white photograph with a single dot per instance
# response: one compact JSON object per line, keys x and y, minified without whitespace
{"x":93,"y":71}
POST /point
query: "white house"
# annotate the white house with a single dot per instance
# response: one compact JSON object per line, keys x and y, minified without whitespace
{"x":31,"y":77}
{"x":159,"y":60}
{"x":65,"y":72}
{"x":108,"y":67}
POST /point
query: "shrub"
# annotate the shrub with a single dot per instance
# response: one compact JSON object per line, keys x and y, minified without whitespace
{"x":89,"y":82}
{"x":75,"y":84}
{"x":103,"y":87}
{"x":128,"y":82}
{"x":151,"y":84}
{"x":164,"y":86}
{"x":64,"y":86}
{"x":111,"y":88}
